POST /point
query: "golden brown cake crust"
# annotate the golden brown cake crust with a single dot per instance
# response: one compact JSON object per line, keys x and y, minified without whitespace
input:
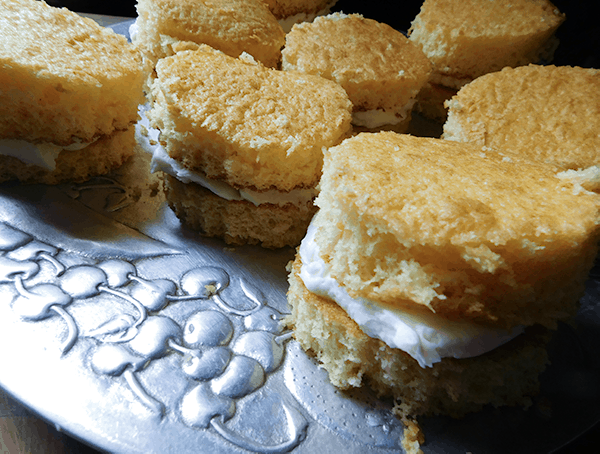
{"x":469,"y":233}
{"x":238,"y":222}
{"x":232,"y":26}
{"x":377,"y":66}
{"x":470,"y":38}
{"x":245,"y":124}
{"x":506,"y":376}
{"x":64,"y":78}
{"x":546,"y":113}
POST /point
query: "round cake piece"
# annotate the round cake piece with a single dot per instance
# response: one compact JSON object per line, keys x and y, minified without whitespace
{"x":380,"y":69}
{"x":251,"y":135}
{"x":546,"y":113}
{"x":232,"y":26}
{"x":434,"y":271}
{"x":507,"y":375}
{"x":466,"y":232}
{"x":469,"y":39}
{"x":69,"y":94}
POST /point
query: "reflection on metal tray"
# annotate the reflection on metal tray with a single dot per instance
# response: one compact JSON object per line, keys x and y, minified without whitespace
{"x":136,"y":335}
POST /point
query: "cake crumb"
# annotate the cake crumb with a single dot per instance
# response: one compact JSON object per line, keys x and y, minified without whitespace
{"x":211,"y":289}
{"x":413,"y":437}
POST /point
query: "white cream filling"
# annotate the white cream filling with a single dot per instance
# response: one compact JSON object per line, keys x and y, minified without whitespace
{"x":148,"y":137}
{"x":424,"y":336}
{"x":133,"y":30}
{"x":375,"y":118}
{"x":43,"y":155}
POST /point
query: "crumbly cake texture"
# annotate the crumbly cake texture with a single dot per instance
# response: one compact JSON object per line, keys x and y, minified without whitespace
{"x":507,"y":375}
{"x":238,"y":222}
{"x":471,"y":234}
{"x":144,"y":199}
{"x":63,"y":78}
{"x":468,"y":39}
{"x":412,"y":437}
{"x":232,"y":26}
{"x":99,"y":158}
{"x":547,"y":113}
{"x":377,"y":66}
{"x":245,"y":124}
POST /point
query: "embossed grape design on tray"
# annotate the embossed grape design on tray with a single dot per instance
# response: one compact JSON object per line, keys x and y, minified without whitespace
{"x":224,"y":361}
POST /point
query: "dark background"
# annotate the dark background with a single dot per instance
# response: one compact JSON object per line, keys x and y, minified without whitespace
{"x":579,"y":35}
{"x":579,"y":45}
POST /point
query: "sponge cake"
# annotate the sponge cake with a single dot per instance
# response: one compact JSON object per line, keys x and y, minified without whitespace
{"x":243,"y":135}
{"x":69,"y":94}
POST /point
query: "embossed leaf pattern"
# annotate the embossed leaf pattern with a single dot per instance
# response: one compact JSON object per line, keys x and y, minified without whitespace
{"x":116,"y":326}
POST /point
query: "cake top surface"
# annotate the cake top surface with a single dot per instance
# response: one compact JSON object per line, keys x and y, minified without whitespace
{"x":466,"y":231}
{"x":465,"y":40}
{"x":432,"y":191}
{"x":57,"y":42}
{"x":266,"y":118}
{"x":490,"y":18}
{"x":358,"y":53}
{"x":211,"y":22}
{"x":547,"y":113}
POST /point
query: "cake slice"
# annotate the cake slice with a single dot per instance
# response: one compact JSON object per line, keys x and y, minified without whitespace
{"x":69,"y":95}
{"x":243,"y":143}
{"x":434,"y":271}
{"x":465,"y":40}
{"x":232,"y":26}
{"x":546,"y":113}
{"x":380,"y":69}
